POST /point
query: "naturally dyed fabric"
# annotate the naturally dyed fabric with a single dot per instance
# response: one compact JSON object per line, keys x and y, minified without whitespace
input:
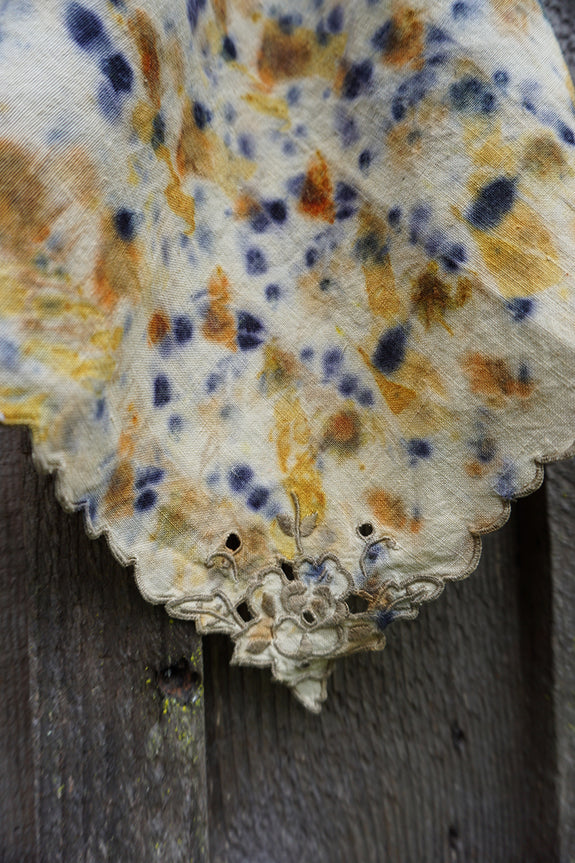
{"x":287,"y":295}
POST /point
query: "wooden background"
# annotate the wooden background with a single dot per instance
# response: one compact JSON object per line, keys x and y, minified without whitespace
{"x":124,"y":738}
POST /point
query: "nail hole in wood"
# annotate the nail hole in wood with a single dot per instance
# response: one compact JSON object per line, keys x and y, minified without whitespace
{"x":179,"y":680}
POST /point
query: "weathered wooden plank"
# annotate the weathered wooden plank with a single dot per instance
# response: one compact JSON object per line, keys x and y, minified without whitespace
{"x":439,"y":749}
{"x":115,"y":697}
{"x":561,"y":497}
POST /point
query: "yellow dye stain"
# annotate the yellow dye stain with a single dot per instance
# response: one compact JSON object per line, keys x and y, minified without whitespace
{"x":382,"y":294}
{"x":69,"y":362}
{"x":296,"y":458}
{"x":519,"y":253}
{"x":107,"y":340}
{"x":273,"y":106}
{"x":203,"y":153}
{"x":12,"y":294}
{"x":493,"y":152}
{"x":19,"y":409}
{"x":397,"y":396}
{"x":178,"y":202}
{"x":388,"y":508}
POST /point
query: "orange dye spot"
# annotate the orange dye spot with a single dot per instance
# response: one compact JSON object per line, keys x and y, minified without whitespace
{"x":219,"y":324}
{"x":316,"y":198}
{"x":491,"y":377}
{"x":387,"y":508}
{"x":283,"y":55}
{"x":158,"y":326}
{"x":342,"y":431}
{"x":404,"y":43}
{"x":120,"y":492}
{"x":144,"y":34}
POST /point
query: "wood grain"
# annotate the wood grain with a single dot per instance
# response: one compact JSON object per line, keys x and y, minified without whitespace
{"x":102,"y":712}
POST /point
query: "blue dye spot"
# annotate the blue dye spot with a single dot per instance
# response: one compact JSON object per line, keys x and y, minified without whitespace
{"x":149,"y":476}
{"x":390,"y":351}
{"x":347,"y":128}
{"x":229,"y":51}
{"x":288,"y":23}
{"x":348,"y":385}
{"x":183,"y":329}
{"x":436,"y":35}
{"x":501,"y":78}
{"x":433,"y":243}
{"x":311,"y":257}
{"x":175,"y":424}
{"x":307,"y":354}
{"x":492,"y":204}
{"x":529,"y":106}
{"x":398,"y":109}
{"x":256,"y":264}
{"x":202,"y":115}
{"x":331,"y":361}
{"x":162,"y":391}
{"x":453,"y":256}
{"x":100,"y":409}
{"x":119,"y":73}
{"x":9,"y":354}
{"x":109,"y":103}
{"x":345,"y":212}
{"x":294,"y":184}
{"x":460,"y":10}
{"x":523,"y":374}
{"x":383,"y":618}
{"x":365,"y":398}
{"x":258,"y":497}
{"x":213,"y":381}
{"x":381,"y":38}
{"x":125,"y":224}
{"x":259,"y":222}
{"x":146,"y":500}
{"x":484,"y":449}
{"x":277,"y":210}
{"x":345,"y":193}
{"x":158,"y":132}
{"x":273,"y":292}
{"x":84,"y":26}
{"x":394,"y":217}
{"x":193,"y":8}
{"x":334,"y":20}
{"x":356,"y":79}
{"x":92,"y":509}
{"x":246,"y":146}
{"x":250,"y":331}
{"x":471,"y":94}
{"x":240,"y":477}
{"x":505,"y":485}
{"x":521,"y":308}
{"x":566,"y":134}
{"x":293,"y":95}
{"x":418,"y":448}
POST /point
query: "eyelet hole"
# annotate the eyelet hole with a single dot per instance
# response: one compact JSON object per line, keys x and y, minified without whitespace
{"x":356,"y":604}
{"x":365,"y":529}
{"x":287,"y":569}
{"x":233,"y":542}
{"x":308,"y":616}
{"x":244,"y":612}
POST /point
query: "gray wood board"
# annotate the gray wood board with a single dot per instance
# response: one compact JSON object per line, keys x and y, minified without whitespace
{"x":101,"y":719}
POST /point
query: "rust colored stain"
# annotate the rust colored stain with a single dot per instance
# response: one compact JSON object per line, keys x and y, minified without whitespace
{"x":342,"y":431}
{"x":283,"y":55}
{"x":219,"y":324}
{"x":158,"y":326}
{"x":405,"y":41}
{"x":316,"y":198}
{"x":491,"y":376}
{"x":387,"y":508}
{"x":120,"y":492}
{"x":144,"y":34}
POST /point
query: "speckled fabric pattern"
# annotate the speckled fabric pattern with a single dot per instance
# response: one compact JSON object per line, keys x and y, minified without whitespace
{"x":287,"y":295}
